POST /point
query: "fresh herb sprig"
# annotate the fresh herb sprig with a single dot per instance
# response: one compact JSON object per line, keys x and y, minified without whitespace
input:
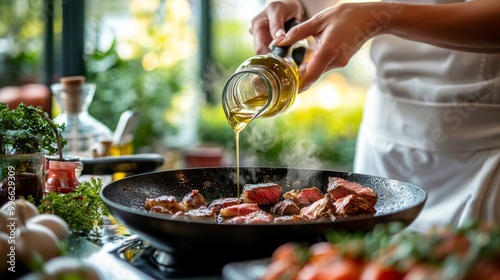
{"x":83,"y":209}
{"x":27,"y":130}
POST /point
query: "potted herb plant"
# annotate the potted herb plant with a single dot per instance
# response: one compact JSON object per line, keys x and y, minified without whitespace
{"x":27,"y":134}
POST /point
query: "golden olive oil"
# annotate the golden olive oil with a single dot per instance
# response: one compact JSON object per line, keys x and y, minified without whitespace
{"x":263,"y":86}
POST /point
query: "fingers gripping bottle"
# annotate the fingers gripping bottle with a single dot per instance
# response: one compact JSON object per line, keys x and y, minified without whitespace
{"x":263,"y":86}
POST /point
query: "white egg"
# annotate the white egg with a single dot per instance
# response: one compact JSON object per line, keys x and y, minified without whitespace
{"x":36,"y":239}
{"x":4,"y":251}
{"x":53,"y":222}
{"x":20,"y":208}
{"x":4,"y":222}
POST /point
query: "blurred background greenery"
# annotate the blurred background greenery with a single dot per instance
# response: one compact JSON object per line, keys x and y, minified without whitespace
{"x":144,"y":55}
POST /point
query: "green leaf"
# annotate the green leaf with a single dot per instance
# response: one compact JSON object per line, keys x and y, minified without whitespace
{"x":83,"y":209}
{"x":27,"y":130}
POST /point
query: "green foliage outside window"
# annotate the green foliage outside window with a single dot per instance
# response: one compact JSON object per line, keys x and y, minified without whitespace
{"x":310,"y":137}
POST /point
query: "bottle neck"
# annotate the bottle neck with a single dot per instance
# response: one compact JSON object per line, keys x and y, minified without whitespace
{"x":72,"y":104}
{"x":254,"y":87}
{"x":74,"y":99}
{"x":281,"y":51}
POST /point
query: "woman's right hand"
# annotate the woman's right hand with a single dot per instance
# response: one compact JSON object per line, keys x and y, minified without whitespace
{"x":339,"y":31}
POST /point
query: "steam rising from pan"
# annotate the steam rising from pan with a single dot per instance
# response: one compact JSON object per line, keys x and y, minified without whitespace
{"x":262,"y":136}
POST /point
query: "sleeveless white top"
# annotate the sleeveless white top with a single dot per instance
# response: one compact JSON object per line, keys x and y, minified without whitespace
{"x":432,"y":118}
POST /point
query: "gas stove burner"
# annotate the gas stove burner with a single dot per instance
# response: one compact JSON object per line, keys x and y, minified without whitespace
{"x":183,"y":265}
{"x":162,"y":259}
{"x":162,"y":265}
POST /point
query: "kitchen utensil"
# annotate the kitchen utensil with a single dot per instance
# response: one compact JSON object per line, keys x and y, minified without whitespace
{"x":125,"y":129}
{"x":132,"y":164}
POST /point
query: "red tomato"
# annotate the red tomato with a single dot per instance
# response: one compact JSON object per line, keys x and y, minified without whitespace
{"x":339,"y":269}
{"x":308,"y":271}
{"x":377,"y":271}
{"x":285,"y":252}
{"x":280,"y":269}
{"x":322,"y":251}
{"x":424,"y":272}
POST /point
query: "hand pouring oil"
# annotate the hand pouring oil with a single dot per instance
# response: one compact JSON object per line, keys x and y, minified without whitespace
{"x":262,"y":86}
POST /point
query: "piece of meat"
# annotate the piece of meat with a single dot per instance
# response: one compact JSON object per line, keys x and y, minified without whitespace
{"x":285,"y":207}
{"x":338,"y":188}
{"x":262,"y":194}
{"x":166,"y":201}
{"x":322,"y":208}
{"x":304,"y":197}
{"x":192,"y":200}
{"x":352,"y":205}
{"x":160,"y":209}
{"x":201,"y":213}
{"x":291,"y":195}
{"x":289,"y":219}
{"x":241,"y":209}
{"x":220,"y":203}
{"x":257,"y":217}
{"x":308,"y":196}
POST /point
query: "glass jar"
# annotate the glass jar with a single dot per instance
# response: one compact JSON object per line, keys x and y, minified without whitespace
{"x":83,"y":132}
{"x":62,"y":176}
{"x":21,"y":175}
{"x":263,"y":86}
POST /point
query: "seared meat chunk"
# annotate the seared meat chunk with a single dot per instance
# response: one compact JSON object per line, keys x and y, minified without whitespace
{"x":309,"y":195}
{"x":257,"y":217}
{"x":291,"y":195}
{"x":289,"y":219}
{"x":201,"y":213}
{"x":338,"y":188}
{"x":285,"y":207}
{"x":166,"y":201}
{"x":322,"y":208}
{"x":220,"y":203}
{"x":304,"y":197}
{"x":192,"y":200}
{"x":241,"y":209}
{"x":353,"y":205}
{"x":343,"y":199}
{"x":160,"y":209}
{"x":262,"y":194}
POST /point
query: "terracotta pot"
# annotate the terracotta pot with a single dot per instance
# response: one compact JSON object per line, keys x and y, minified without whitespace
{"x":204,"y":156}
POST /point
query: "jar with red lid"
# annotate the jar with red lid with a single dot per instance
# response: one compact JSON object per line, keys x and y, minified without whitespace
{"x":62,"y":176}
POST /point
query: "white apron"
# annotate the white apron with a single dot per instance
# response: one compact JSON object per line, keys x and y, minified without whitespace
{"x":433,"y":119}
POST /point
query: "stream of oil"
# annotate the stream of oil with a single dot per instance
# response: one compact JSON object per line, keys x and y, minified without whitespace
{"x":239,"y":118}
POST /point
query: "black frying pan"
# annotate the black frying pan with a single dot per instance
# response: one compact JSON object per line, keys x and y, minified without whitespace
{"x":198,"y":241}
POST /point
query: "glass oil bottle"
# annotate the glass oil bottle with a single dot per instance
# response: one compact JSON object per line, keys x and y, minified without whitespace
{"x":264,"y":85}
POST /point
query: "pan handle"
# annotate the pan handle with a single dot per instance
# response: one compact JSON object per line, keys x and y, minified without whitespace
{"x":135,"y":164}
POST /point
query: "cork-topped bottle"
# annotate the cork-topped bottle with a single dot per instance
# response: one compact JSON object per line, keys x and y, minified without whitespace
{"x":83,"y":132}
